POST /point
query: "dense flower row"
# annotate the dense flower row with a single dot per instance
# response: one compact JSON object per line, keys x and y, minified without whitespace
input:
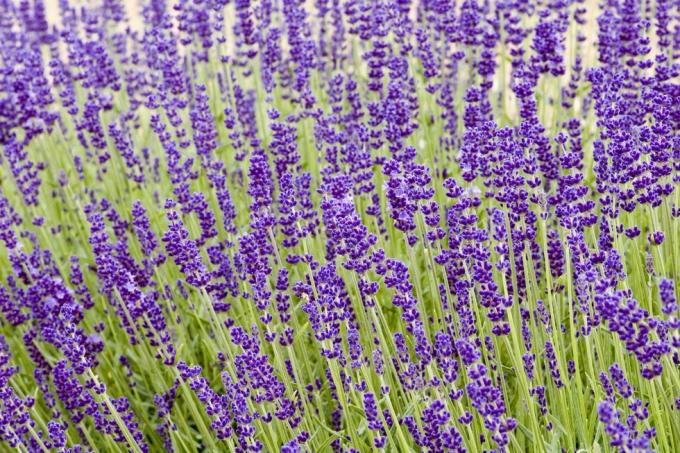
{"x":340,"y":225}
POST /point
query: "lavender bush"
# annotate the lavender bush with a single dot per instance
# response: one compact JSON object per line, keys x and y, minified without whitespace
{"x":339,"y":226}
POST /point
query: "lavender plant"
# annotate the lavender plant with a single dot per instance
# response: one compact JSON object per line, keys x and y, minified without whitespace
{"x":339,"y":226}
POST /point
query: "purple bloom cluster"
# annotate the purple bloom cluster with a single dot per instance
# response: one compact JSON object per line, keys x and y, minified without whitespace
{"x":624,"y":433}
{"x":339,"y":225}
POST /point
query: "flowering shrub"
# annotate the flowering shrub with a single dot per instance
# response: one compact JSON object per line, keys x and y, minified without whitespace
{"x":346,"y":226}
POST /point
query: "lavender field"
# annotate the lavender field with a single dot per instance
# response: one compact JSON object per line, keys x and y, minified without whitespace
{"x":339,"y":226}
